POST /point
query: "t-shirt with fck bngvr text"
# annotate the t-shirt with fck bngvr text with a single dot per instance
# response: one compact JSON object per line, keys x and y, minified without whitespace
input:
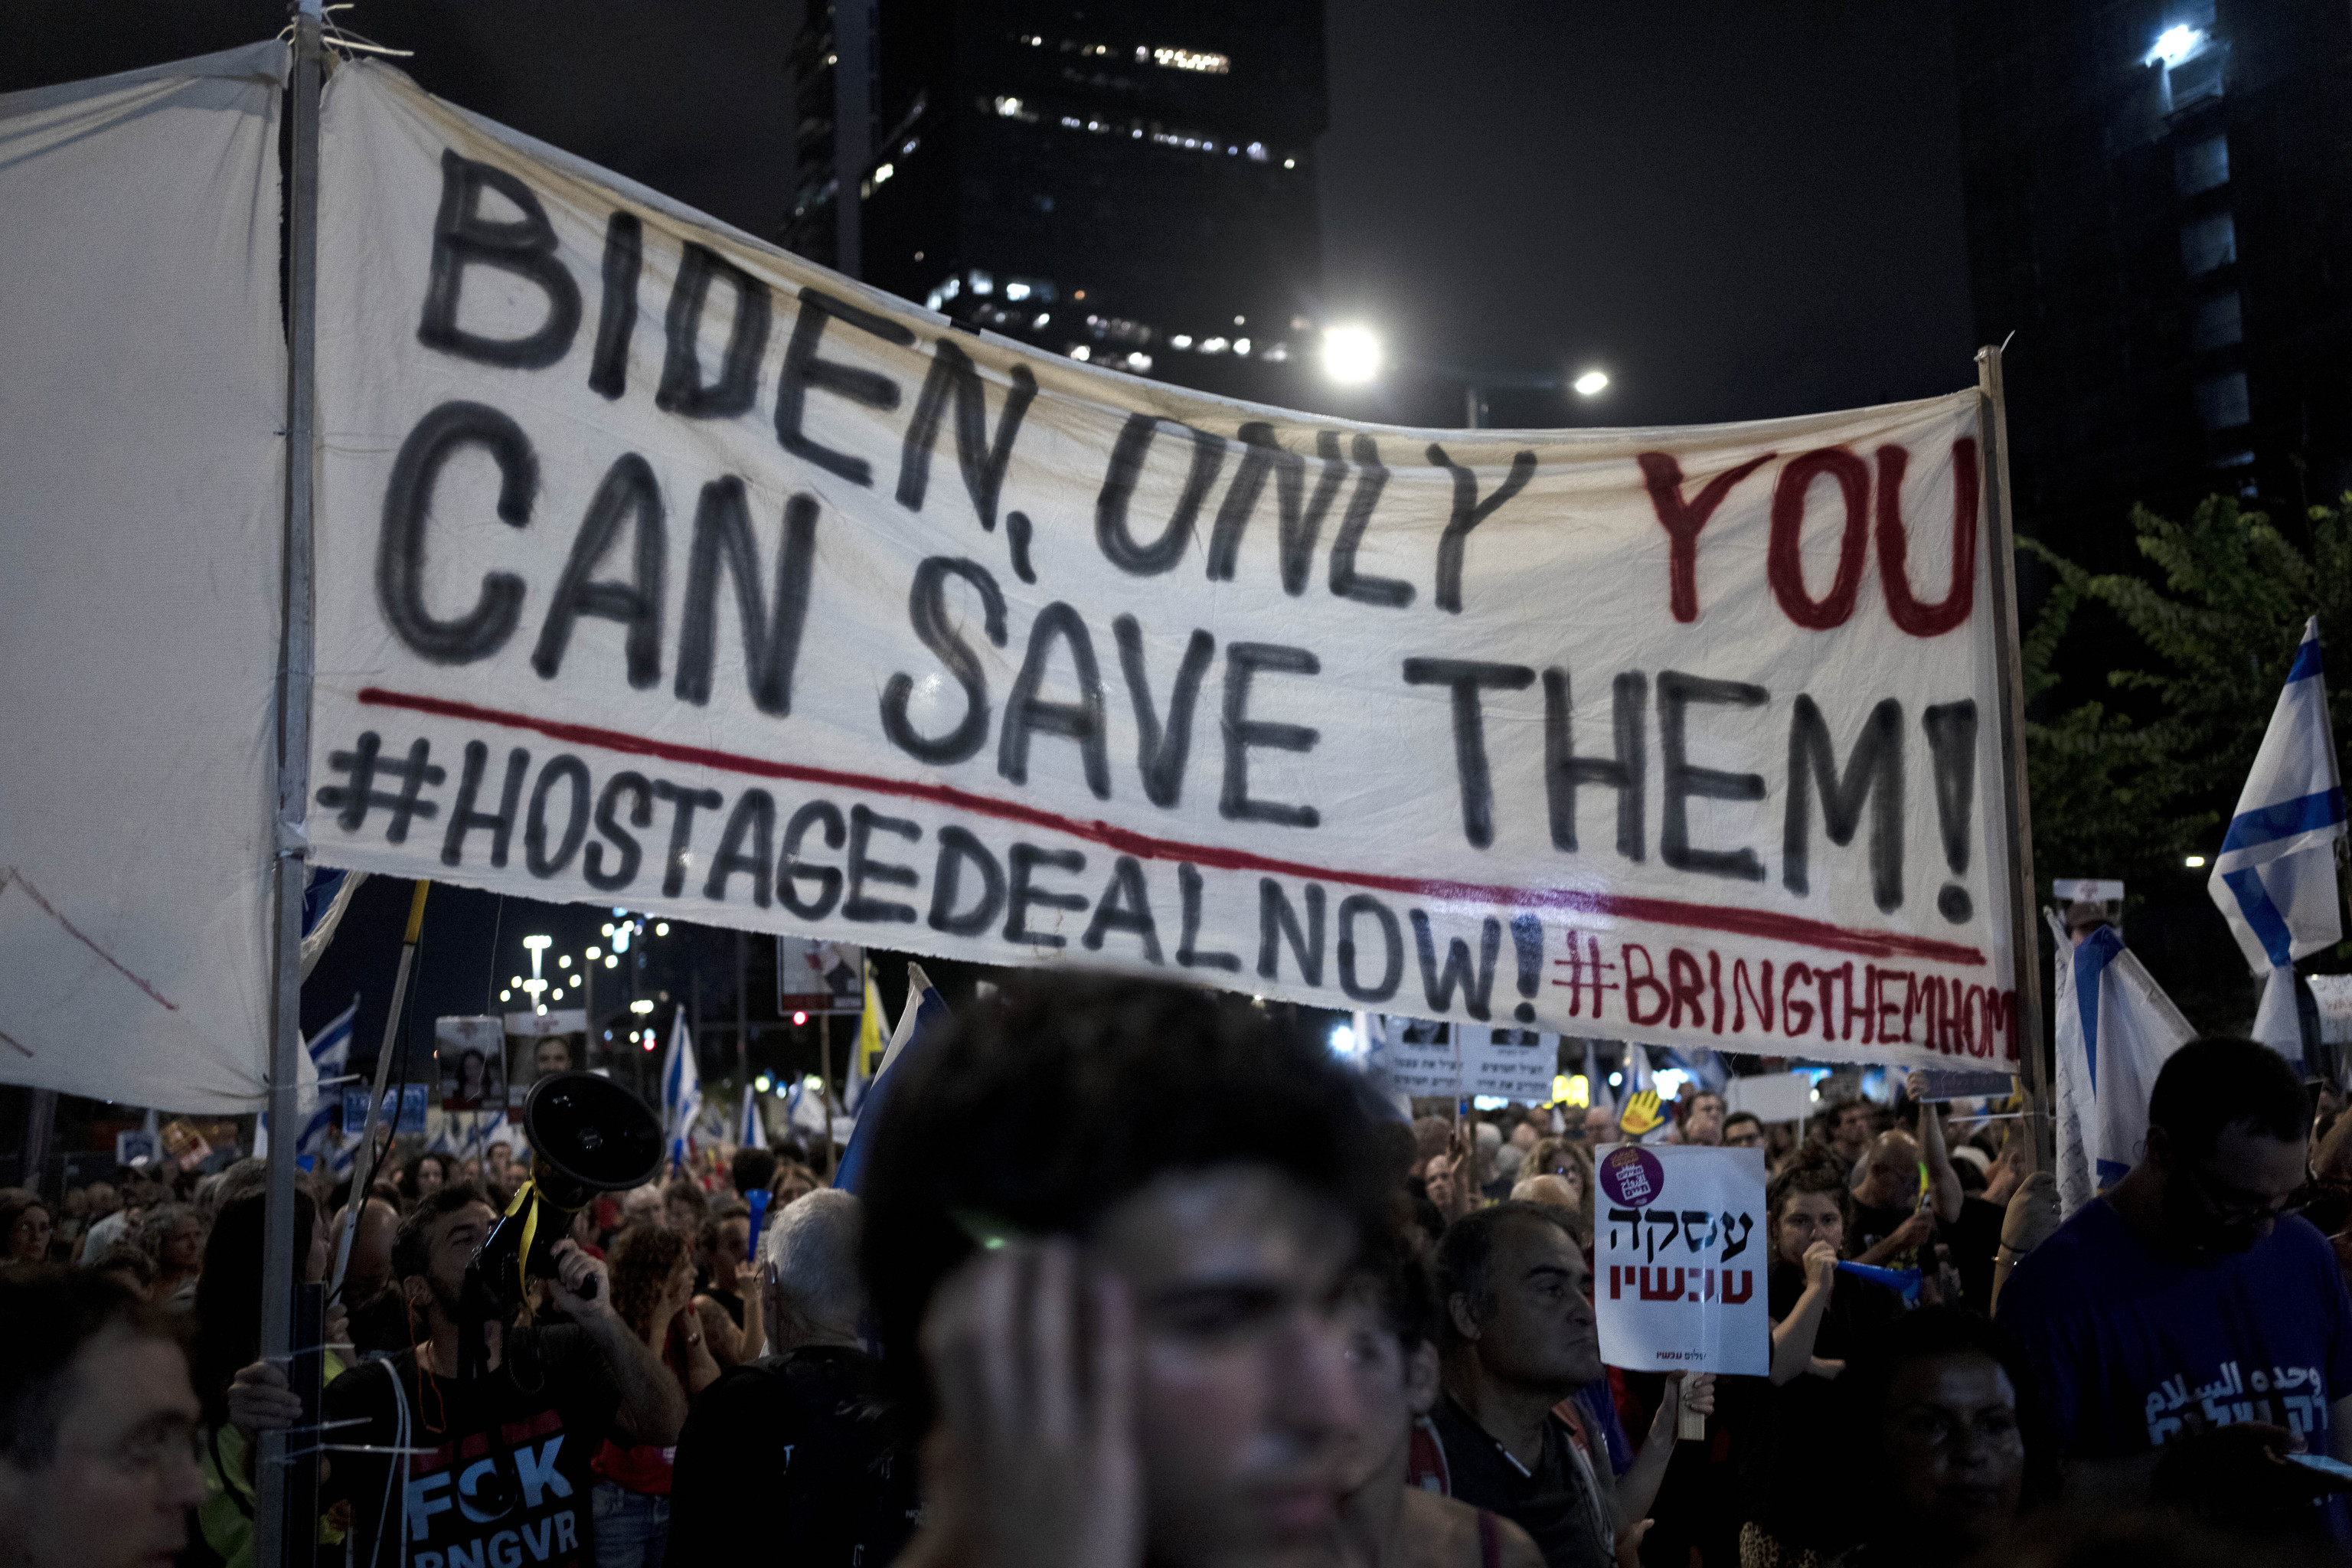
{"x":497,"y":1474}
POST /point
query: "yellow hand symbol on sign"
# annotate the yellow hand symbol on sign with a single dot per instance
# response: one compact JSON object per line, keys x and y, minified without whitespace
{"x":1640,"y":1117}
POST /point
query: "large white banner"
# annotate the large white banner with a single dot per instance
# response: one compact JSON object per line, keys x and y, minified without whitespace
{"x":660,"y":569}
{"x":141,"y":515}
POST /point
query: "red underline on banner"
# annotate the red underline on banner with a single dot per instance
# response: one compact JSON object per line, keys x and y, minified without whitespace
{"x":1770,"y":927}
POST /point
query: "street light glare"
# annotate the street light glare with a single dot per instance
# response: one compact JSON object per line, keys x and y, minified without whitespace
{"x":2175,"y":45}
{"x":1590,"y":382}
{"x":1351,"y":355}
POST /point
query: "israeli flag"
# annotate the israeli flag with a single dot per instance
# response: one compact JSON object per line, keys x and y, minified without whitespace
{"x":328,"y":1050}
{"x":751,"y":1133}
{"x":804,"y":1109}
{"x":921,"y":1021}
{"x":2116,"y":1030}
{"x":2274,"y":878}
{"x":325,"y":896}
{"x":681,"y":1090}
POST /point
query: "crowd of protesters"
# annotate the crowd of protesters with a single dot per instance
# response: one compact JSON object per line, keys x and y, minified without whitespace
{"x":1137,"y":1274}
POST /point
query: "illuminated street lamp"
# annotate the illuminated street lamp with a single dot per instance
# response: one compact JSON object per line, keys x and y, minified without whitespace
{"x":1351,"y":355}
{"x":1591,"y":383}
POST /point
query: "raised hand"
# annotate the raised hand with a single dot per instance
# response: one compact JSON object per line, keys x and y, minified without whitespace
{"x":1033,"y":1360}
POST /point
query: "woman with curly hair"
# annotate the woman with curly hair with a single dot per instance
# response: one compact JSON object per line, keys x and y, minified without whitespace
{"x":173,"y":1236}
{"x":653,"y":1287}
{"x":425,"y":1174}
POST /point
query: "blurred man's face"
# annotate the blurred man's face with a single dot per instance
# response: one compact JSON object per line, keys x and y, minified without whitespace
{"x":1243,"y":1391}
{"x":1437,"y":1179}
{"x":457,"y":1237}
{"x":1600,"y":1125}
{"x":1743,"y":1135}
{"x":1891,"y":1178}
{"x":1539,"y":1333}
{"x":370,"y":1263}
{"x":727,"y":1257}
{"x":102,"y":1201}
{"x":1393,"y":1388}
{"x":497,"y":1160}
{"x":1705,"y":1122}
{"x":1853,"y":1130}
{"x":428,"y":1177}
{"x":2233,"y":1197}
{"x":553,"y":1055}
{"x":125,"y":1474}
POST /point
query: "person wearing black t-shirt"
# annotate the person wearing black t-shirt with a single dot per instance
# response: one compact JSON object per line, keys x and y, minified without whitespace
{"x":1820,"y":1317}
{"x":1518,"y":1339}
{"x":801,"y":1446}
{"x":497,"y":1470}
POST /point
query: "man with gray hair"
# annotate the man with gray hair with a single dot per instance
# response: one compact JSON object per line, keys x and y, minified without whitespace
{"x":800,"y":1446}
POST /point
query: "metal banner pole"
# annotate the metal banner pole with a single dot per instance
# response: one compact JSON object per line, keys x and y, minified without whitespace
{"x":1992,"y":422}
{"x":272,"y":1528}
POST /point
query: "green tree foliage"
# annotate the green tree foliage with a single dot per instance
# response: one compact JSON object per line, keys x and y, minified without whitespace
{"x":2126,"y":788}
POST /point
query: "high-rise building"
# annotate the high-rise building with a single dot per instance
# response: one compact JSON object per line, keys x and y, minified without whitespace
{"x":2160,"y":207}
{"x":1126,"y":182}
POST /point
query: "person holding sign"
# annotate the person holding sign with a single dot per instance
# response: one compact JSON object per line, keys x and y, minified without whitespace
{"x":1518,"y":1335}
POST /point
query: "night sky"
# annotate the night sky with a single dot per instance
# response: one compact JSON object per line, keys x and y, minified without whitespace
{"x":1736,"y":210}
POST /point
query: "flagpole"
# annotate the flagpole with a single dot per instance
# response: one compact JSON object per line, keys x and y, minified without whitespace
{"x":1992,"y":421}
{"x":271,"y":1526}
{"x":364,"y":1159}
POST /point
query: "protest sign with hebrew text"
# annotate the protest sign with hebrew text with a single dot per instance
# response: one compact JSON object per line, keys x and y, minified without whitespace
{"x":1681,"y":1259}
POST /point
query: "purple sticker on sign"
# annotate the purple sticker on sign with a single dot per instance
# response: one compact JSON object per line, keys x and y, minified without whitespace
{"x":1632,"y":1176}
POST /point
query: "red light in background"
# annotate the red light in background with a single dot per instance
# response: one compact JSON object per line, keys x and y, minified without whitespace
{"x":799,"y":1019}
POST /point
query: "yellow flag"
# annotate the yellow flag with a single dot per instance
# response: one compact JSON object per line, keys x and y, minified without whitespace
{"x":871,"y":1039}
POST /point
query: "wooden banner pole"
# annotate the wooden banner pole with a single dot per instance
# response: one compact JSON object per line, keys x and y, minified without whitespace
{"x":2000,"y":547}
